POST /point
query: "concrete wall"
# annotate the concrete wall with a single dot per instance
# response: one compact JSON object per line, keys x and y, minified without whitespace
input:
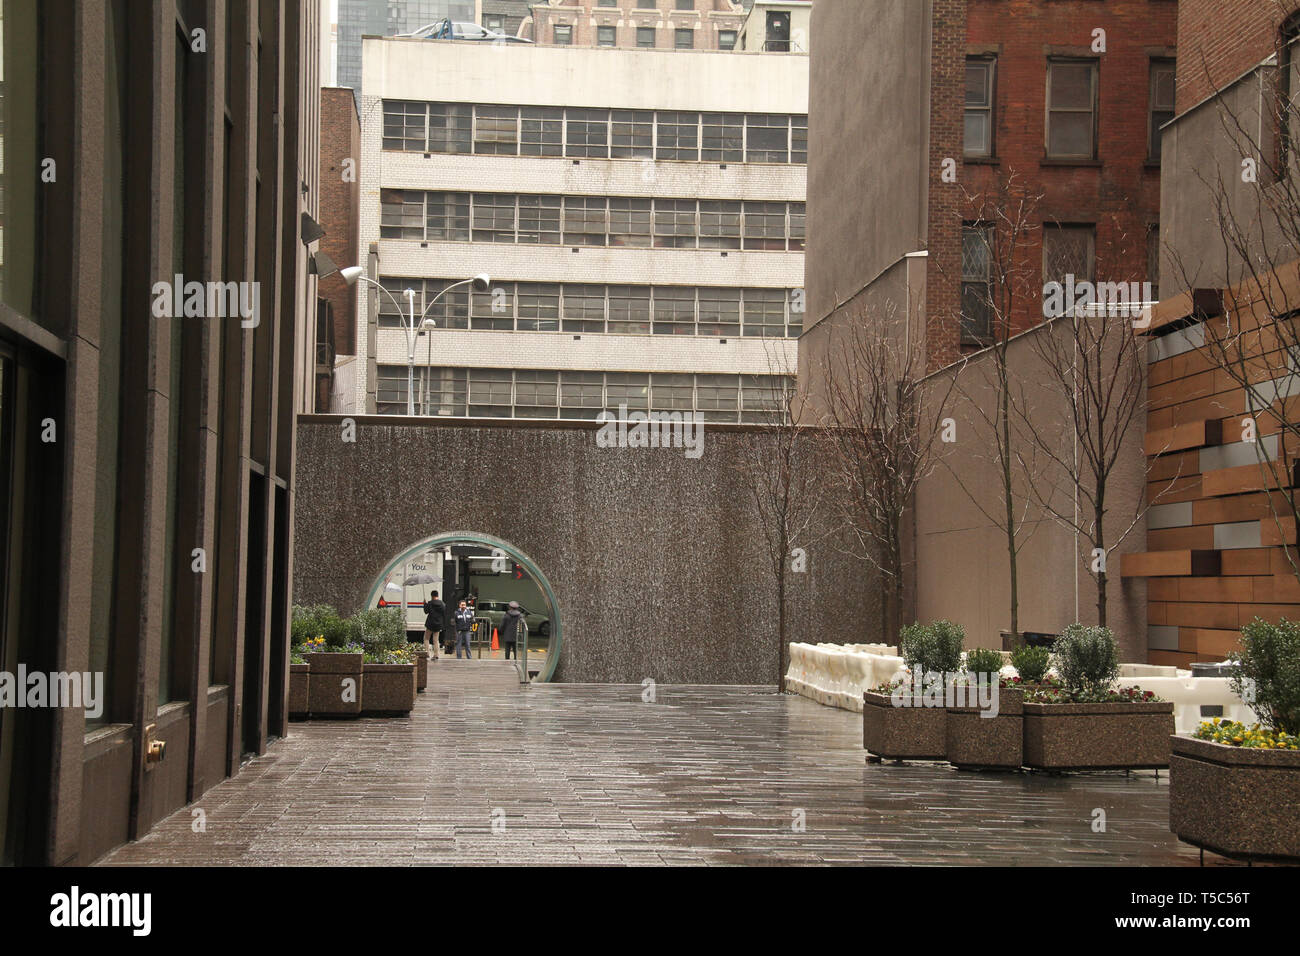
{"x":962,"y":565}
{"x":866,"y":186}
{"x":656,"y":560}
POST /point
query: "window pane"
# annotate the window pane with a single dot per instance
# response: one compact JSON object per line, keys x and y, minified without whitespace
{"x":1070,"y":134}
{"x":401,"y":214}
{"x":1070,"y":86}
{"x":447,"y":387}
{"x":765,"y":313}
{"x":496,"y":130}
{"x":495,"y":308}
{"x":675,"y":223}
{"x":672,"y":392}
{"x":490,"y":392}
{"x":632,"y":134}
{"x":582,"y":394}
{"x":1067,"y":251}
{"x":404,"y":125}
{"x":679,"y":136}
{"x":588,"y":133}
{"x":719,"y":224}
{"x":584,"y":308}
{"x":719,"y":311}
{"x":539,"y":219}
{"x":718,"y":397}
{"x":448,"y":216}
{"x":494,"y":218}
{"x":629,"y":309}
{"x":764,"y":225}
{"x":723,"y":138}
{"x":799,"y":139}
{"x":540,"y":131}
{"x":536,"y":394}
{"x":539,"y":307}
{"x":450,"y":126}
{"x":797,"y":219}
{"x":584,"y":221}
{"x":628,"y":388}
{"x":629,"y":222}
{"x":449,"y":310}
{"x":767,"y":138}
{"x":761,"y":398}
{"x":674,"y":311}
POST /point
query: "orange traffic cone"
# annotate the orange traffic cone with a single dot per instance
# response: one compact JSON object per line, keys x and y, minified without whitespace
{"x":495,"y":645}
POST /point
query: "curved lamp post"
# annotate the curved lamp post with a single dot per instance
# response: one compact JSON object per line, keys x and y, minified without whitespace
{"x":354,"y":273}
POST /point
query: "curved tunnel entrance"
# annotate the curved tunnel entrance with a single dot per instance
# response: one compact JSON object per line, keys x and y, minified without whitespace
{"x":461,"y":564}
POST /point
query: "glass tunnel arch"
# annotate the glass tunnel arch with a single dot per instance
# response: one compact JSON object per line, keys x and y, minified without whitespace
{"x":489,"y":541}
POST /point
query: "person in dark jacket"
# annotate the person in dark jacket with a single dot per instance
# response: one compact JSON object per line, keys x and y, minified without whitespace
{"x":435,"y":618}
{"x":511,"y":628}
{"x":464,"y":622}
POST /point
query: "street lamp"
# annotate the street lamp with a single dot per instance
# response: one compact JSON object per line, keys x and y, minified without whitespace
{"x":353,"y":273}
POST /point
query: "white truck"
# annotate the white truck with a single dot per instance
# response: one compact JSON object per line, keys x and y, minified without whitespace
{"x":410,"y":585}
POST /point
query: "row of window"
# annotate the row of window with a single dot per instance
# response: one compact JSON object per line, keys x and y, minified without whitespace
{"x":1072,"y":100}
{"x":591,"y":220}
{"x":529,"y":393}
{"x":1068,"y":250}
{"x":580,"y":132}
{"x":573,"y":307}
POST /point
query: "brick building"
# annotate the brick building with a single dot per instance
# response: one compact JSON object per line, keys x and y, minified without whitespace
{"x":340,"y":178}
{"x":1065,"y":105}
{"x":639,"y":24}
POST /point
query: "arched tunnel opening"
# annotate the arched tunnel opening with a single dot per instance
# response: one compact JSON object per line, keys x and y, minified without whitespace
{"x":487,"y":574}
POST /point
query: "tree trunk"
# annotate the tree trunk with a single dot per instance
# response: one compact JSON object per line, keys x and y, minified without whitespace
{"x":1010,"y":505}
{"x":780,"y":624}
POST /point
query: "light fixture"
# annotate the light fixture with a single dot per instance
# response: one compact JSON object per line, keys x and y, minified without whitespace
{"x":351,"y":274}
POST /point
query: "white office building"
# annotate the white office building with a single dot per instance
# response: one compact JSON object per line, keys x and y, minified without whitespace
{"x":640,"y":214}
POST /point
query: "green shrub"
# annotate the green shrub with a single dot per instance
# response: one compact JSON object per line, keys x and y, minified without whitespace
{"x":1031,"y":663}
{"x":932,"y":648}
{"x":983,"y":660}
{"x":1087,"y":658}
{"x":1268,"y":673}
{"x":379,"y":629}
{"x":316,"y":620}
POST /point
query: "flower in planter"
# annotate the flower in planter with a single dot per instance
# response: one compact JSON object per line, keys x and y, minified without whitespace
{"x":1236,"y":734}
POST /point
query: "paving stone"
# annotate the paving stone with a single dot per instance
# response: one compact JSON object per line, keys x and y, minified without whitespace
{"x":589,"y":774}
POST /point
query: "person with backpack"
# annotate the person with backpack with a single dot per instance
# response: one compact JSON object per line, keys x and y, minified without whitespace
{"x":510,"y":629}
{"x":435,"y":618}
{"x":464,"y":624}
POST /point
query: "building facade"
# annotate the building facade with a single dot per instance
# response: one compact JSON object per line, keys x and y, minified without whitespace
{"x":644,"y":241}
{"x":987,"y":99}
{"x":157,"y":304}
{"x":638,"y":24}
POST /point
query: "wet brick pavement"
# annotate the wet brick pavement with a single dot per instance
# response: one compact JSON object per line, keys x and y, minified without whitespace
{"x":584,"y":773}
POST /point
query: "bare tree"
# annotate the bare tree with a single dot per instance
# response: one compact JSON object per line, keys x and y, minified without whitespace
{"x":1094,"y":363}
{"x":776,"y":469}
{"x":880,"y":430}
{"x":1001,"y":240}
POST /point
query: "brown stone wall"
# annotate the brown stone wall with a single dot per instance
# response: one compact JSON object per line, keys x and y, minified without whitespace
{"x":585,"y":16}
{"x":1221,"y":39}
{"x":657,"y":561}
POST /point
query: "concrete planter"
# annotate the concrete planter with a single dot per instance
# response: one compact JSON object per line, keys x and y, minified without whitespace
{"x":299,"y":677}
{"x":1236,"y":801}
{"x":421,"y":671}
{"x":328,"y":693}
{"x":974,"y":742}
{"x":902,"y":733}
{"x":1118,"y":736}
{"x":388,"y":689}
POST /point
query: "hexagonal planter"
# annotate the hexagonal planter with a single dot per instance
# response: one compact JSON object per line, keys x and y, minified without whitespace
{"x":299,"y":677}
{"x":902,"y":733}
{"x":1239,"y":802}
{"x":1114,"y":736}
{"x":328,"y":694}
{"x":974,"y":742}
{"x":388,"y":689}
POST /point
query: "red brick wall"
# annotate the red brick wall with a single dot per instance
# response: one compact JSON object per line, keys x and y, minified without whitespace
{"x":340,"y":139}
{"x":1120,"y":194}
{"x":1222,"y":39}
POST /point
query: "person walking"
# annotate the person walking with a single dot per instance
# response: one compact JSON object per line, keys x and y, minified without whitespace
{"x":510,"y":628}
{"x":435,"y":618}
{"x":464,"y":623}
